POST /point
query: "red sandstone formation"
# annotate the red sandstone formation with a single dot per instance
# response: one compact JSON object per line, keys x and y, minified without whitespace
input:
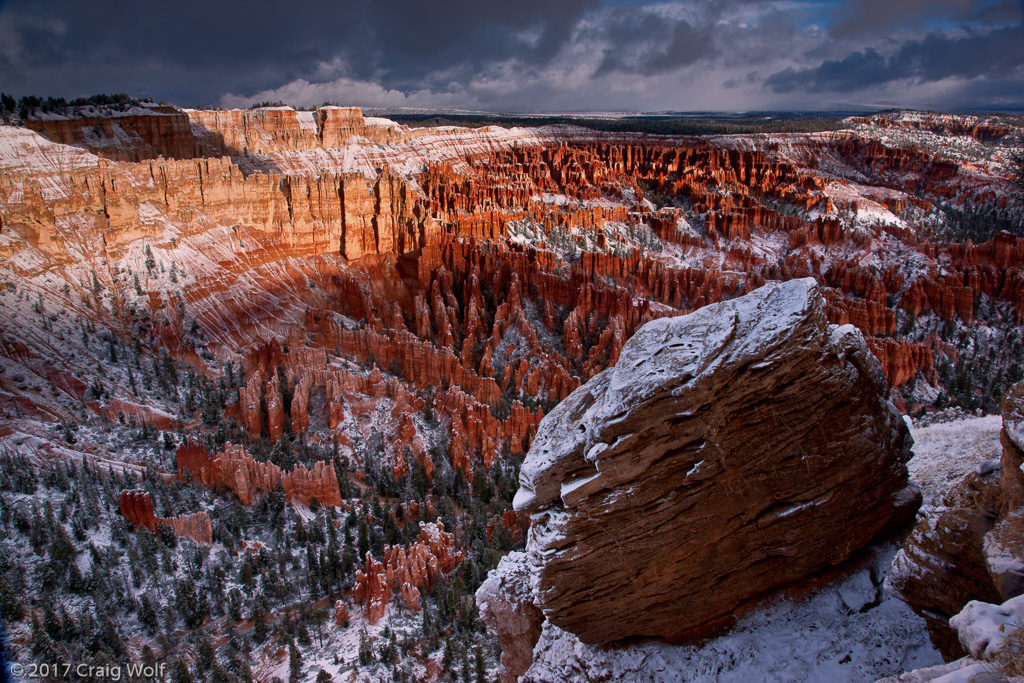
{"x":902,"y":361}
{"x":506,"y":607}
{"x":137,"y":507}
{"x":235,"y":470}
{"x":968,"y":546}
{"x":372,"y":589}
{"x":345,"y":215}
{"x":407,"y":572}
{"x":151,"y":132}
{"x":340,"y":614}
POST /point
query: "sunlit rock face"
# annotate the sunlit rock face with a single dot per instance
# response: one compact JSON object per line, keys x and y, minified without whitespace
{"x":729,"y":451}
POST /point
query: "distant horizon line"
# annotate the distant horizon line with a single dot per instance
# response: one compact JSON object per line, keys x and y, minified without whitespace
{"x":858,"y":109}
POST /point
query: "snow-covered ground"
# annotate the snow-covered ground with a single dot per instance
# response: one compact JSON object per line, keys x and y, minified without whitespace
{"x":851,"y":631}
{"x":946,"y":451}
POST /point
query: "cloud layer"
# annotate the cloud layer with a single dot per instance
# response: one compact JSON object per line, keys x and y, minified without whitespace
{"x":527,"y":55}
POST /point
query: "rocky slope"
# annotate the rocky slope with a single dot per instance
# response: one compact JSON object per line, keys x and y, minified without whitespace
{"x":850,"y":629}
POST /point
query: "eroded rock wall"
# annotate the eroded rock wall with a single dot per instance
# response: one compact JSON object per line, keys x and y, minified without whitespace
{"x":137,"y":507}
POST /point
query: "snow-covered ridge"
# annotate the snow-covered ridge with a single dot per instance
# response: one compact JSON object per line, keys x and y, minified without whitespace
{"x":25,"y":151}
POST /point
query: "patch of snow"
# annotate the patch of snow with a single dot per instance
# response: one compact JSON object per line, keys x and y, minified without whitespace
{"x":1001,"y":561}
{"x":307,"y":120}
{"x":380,"y":123}
{"x":960,"y":671}
{"x":1015,"y":430}
{"x":570,"y":486}
{"x":859,"y":592}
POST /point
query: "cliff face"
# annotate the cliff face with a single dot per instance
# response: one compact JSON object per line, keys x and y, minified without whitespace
{"x":132,"y":136}
{"x":729,"y":451}
{"x":506,"y":606}
{"x":347,"y":215}
{"x":270,"y":130}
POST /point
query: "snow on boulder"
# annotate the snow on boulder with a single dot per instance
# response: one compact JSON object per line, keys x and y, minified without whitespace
{"x":983,"y":627}
{"x":730,"y":451}
{"x":1012,"y":439}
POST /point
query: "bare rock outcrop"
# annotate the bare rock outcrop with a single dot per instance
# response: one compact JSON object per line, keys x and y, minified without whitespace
{"x":506,"y":606}
{"x":970,"y":546}
{"x":731,"y":451}
{"x":137,"y":507}
{"x":236,"y":470}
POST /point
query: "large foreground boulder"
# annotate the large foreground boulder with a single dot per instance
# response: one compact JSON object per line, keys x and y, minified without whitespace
{"x":730,"y":451}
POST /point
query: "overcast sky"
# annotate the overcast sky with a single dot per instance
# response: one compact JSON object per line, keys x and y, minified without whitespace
{"x":524,"y":55}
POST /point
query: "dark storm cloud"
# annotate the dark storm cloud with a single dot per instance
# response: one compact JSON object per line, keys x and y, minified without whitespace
{"x":998,"y":54}
{"x":202,"y":49}
{"x":865,"y":17}
{"x":524,"y":55}
{"x":647,"y":43}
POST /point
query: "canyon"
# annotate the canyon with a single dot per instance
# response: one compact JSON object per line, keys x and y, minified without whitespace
{"x":373,"y":321}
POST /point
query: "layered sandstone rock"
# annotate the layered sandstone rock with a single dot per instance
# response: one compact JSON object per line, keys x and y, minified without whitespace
{"x":340,"y":614}
{"x":271,"y":130}
{"x":137,"y":507}
{"x":970,"y":546}
{"x":131,"y":136}
{"x":728,"y":452}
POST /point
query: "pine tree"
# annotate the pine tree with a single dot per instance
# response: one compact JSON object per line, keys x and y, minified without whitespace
{"x":218,"y":674}
{"x":11,"y":609}
{"x":147,"y":615}
{"x":481,"y":668}
{"x":192,"y":605}
{"x":366,"y":656}
{"x":294,"y":663}
{"x":259,"y":629}
{"x":180,"y":672}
